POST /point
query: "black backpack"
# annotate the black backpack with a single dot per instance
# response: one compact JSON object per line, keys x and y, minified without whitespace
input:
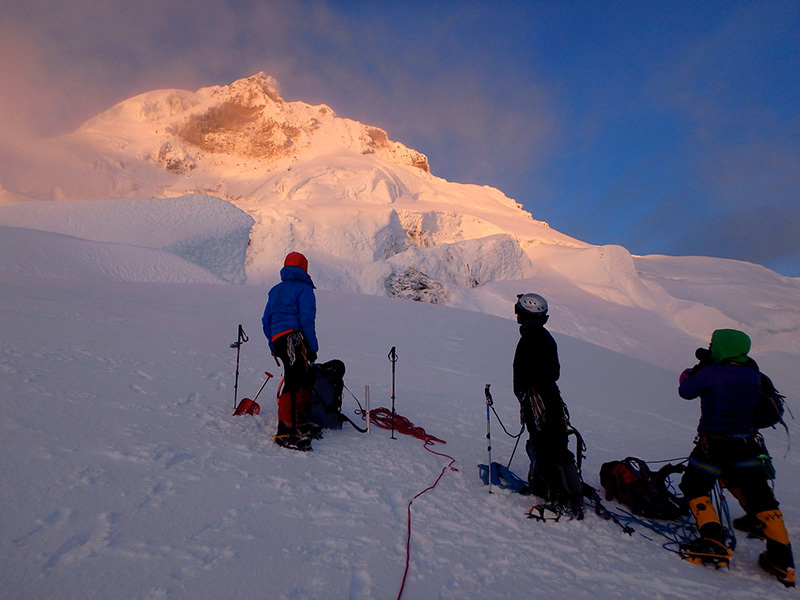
{"x":326,"y":395}
{"x":769,"y":407}
{"x":632,"y":483}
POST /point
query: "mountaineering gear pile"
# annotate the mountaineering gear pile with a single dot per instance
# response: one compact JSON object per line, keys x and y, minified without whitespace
{"x":631,"y":482}
{"x":730,"y":449}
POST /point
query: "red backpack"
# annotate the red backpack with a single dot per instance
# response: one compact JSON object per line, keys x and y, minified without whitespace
{"x":631,"y":482}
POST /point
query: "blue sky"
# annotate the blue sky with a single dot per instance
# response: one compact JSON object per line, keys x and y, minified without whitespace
{"x":666,"y":127}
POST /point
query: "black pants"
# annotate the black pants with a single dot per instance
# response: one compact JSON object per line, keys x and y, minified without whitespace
{"x":294,"y":402}
{"x":553,"y":474}
{"x":741,"y":465}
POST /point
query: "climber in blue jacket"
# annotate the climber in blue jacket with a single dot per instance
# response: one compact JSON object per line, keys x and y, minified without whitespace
{"x":289,"y":326}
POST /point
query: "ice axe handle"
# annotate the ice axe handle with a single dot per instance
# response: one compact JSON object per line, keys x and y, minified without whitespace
{"x":266,"y":379}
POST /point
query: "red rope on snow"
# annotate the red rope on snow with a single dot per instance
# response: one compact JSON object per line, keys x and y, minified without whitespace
{"x":382,"y":417}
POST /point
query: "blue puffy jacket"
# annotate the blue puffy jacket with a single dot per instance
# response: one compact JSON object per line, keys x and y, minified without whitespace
{"x":728,"y":393}
{"x":291,"y":306}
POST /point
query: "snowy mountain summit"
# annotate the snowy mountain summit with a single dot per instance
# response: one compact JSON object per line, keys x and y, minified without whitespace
{"x":247,"y":119}
{"x":371,"y":217}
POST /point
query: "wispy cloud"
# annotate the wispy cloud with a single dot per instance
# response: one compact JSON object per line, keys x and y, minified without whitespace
{"x":69,"y":61}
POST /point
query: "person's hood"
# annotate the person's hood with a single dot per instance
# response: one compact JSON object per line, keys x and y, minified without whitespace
{"x":295,"y":259}
{"x":729,"y":344}
{"x":293,"y":273}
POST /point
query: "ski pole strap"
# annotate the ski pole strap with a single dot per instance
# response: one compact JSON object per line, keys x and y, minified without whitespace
{"x":241,"y":339}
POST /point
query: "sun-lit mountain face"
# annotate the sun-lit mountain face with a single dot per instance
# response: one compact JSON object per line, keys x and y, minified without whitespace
{"x":366,"y":207}
{"x":247,"y":120}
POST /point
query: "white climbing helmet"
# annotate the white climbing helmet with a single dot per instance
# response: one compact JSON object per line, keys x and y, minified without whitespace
{"x":532,"y":304}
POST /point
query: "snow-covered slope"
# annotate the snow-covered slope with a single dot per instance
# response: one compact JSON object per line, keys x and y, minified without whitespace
{"x":65,"y":257}
{"x":205,"y":231}
{"x":372,"y":218}
{"x":124,"y":475}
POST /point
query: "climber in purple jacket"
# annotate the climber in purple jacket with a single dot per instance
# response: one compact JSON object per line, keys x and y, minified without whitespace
{"x":729,"y":447}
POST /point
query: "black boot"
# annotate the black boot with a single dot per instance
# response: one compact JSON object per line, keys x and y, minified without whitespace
{"x":751,"y":525}
{"x":778,"y":561}
{"x":290,"y":437}
{"x":310,"y":429}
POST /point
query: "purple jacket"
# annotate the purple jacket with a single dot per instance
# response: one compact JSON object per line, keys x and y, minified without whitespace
{"x":728,"y":393}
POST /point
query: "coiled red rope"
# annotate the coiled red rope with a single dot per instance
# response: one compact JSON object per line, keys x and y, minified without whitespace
{"x":382,"y":417}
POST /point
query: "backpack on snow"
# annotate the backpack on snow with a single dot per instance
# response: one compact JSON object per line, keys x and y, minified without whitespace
{"x":326,"y":395}
{"x":631,"y":482}
{"x":769,"y":407}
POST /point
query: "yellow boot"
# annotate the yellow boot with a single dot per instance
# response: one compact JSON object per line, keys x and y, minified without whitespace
{"x":709,"y":547}
{"x":777,"y":560}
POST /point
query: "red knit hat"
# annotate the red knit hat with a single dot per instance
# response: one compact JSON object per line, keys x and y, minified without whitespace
{"x":295,"y":259}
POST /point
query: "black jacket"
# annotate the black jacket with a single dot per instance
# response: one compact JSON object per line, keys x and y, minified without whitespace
{"x":536,"y":361}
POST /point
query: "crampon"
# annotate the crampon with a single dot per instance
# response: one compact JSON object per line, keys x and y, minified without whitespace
{"x":552,"y":512}
{"x":706,"y":551}
{"x":784,"y":575}
{"x":293,"y":441}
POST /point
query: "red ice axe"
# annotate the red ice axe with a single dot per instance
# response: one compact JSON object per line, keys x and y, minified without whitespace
{"x":251,"y":407}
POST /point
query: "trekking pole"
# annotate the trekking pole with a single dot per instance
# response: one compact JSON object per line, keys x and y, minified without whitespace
{"x":366,"y":403}
{"x":393,"y":359}
{"x":242,"y":338}
{"x":489,"y":403}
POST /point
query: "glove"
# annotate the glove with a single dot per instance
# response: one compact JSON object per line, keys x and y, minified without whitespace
{"x":684,"y":376}
{"x":311,"y":356}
